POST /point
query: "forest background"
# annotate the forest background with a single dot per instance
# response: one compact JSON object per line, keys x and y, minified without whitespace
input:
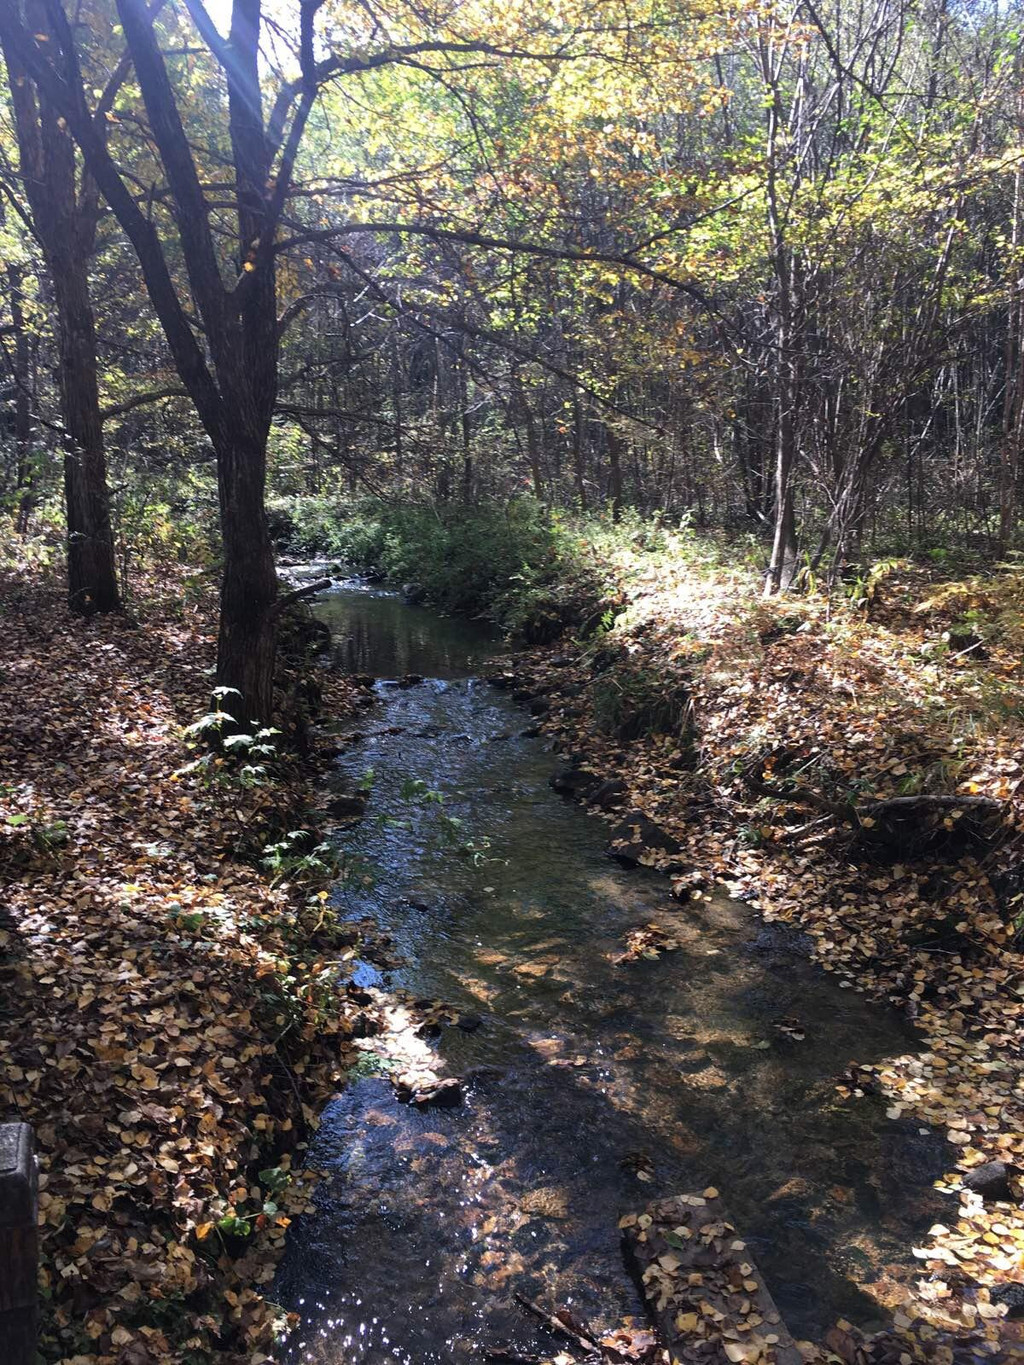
{"x":744,"y":266}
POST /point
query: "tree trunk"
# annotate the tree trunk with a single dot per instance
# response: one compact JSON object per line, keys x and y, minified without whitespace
{"x":1013,"y":392}
{"x":577,"y":450}
{"x":246,"y":641}
{"x":466,"y":432}
{"x":21,"y":369}
{"x":783,"y":566}
{"x":614,"y":473}
{"x":92,"y":575}
{"x":64,"y":222}
{"x":532,"y":442}
{"x":396,"y":404}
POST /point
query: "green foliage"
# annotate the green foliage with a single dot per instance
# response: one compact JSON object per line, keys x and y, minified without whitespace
{"x":161,"y":515}
{"x":237,"y":758}
{"x":42,"y":840}
{"x":370,"y":1064}
{"x":530,"y":570}
{"x":299,"y":856}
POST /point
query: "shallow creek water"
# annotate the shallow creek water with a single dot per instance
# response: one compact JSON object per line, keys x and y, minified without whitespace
{"x":583,"y":1074}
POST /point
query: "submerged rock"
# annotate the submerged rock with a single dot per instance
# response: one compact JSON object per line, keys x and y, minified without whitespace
{"x":991,"y":1181}
{"x":573,"y":782}
{"x":1012,"y":1296}
{"x":610,"y":794}
{"x":415,"y":900}
{"x":483,"y":1074}
{"x":446,"y":1094}
{"x":413,"y":594}
{"x":346,"y":805}
{"x":637,"y":834}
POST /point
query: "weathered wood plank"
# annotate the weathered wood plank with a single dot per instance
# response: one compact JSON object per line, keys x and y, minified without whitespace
{"x":703,"y":1290}
{"x":18,"y":1245}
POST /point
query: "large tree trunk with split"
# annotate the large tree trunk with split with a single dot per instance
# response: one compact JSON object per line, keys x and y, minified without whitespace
{"x":224,"y":333}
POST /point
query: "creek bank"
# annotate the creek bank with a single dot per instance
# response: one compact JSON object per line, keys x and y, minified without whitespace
{"x":699,"y":825}
{"x":168,"y":1028}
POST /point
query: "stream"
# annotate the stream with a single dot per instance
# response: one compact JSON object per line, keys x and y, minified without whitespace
{"x":591,"y":1087}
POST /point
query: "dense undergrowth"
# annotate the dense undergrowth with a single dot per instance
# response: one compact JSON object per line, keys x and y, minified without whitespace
{"x":533,"y":572}
{"x":170,"y":1020}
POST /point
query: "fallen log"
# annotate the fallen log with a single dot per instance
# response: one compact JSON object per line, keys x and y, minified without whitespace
{"x":704,"y":1294}
{"x":296,"y":595}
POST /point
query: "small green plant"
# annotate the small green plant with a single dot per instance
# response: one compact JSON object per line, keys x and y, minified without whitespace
{"x":45,"y":837}
{"x":233,"y":757}
{"x":476,"y":850}
{"x":369,"y":1064}
{"x":365,"y":784}
{"x":212,"y":723}
{"x":414,"y":789}
{"x":299,"y":857}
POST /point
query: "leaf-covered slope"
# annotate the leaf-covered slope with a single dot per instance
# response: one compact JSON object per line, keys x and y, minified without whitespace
{"x":166,"y":1025}
{"x":915,"y":691}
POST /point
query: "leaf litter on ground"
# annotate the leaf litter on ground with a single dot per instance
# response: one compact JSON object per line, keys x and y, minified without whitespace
{"x":170,"y":1022}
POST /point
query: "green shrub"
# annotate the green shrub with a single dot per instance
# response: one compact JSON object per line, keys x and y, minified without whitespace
{"x":529,"y":570}
{"x":635,"y":699}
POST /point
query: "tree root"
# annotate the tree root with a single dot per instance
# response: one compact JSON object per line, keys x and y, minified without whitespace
{"x":873,"y":818}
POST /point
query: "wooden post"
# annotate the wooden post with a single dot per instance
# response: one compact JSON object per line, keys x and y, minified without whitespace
{"x":19,"y":1255}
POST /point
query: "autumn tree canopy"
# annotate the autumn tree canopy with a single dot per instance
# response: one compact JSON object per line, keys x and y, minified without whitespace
{"x":748,"y":264}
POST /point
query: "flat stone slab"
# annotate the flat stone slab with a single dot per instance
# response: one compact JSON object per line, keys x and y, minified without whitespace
{"x":704,"y":1293}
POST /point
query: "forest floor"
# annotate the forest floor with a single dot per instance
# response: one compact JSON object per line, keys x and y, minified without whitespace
{"x":742,"y":728}
{"x":170,"y":1019}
